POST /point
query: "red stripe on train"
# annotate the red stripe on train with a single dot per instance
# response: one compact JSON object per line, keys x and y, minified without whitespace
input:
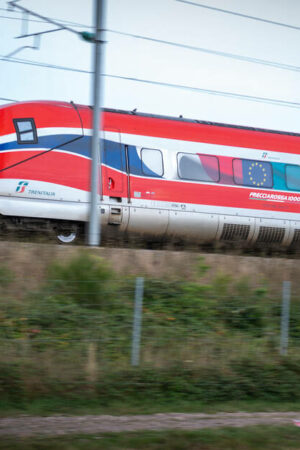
{"x":66,"y":170}
{"x":45,"y":115}
{"x":214,"y":195}
{"x":193,"y":132}
{"x":60,"y":114}
{"x":53,"y":167}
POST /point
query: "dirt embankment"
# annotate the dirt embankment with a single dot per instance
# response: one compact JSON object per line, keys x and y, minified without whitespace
{"x":60,"y":425}
{"x":29,"y":261}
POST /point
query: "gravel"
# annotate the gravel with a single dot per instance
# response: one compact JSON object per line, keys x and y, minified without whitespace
{"x":58,"y":425}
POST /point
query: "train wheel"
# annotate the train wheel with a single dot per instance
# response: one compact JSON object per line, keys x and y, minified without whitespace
{"x":67,"y":234}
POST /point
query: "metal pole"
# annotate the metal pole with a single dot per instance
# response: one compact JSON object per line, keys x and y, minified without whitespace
{"x":94,"y":235}
{"x":137,"y":322}
{"x":285,"y":317}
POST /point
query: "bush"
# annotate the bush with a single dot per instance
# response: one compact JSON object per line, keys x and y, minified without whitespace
{"x":207,"y":329}
{"x":6,"y":277}
{"x":83,"y":279}
{"x":240,"y":306}
{"x":242,"y":380}
{"x":11,"y":386}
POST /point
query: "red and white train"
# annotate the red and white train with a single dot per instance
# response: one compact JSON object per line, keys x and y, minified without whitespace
{"x":162,"y":177}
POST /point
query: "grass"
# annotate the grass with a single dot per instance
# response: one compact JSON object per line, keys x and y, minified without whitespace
{"x":248,"y":438}
{"x":58,"y":405}
{"x":67,"y":343}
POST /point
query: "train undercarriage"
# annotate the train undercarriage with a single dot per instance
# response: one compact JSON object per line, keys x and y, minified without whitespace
{"x":231,"y":239}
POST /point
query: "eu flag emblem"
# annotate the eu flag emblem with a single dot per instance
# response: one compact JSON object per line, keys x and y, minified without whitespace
{"x":252,"y":173}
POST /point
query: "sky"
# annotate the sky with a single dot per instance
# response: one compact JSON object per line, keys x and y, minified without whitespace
{"x":168,"y":20}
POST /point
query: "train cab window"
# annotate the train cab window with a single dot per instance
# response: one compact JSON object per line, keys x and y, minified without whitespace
{"x":198,"y":167}
{"x":152,"y":162}
{"x":292,"y":174}
{"x":247,"y":172}
{"x":26,"y":131}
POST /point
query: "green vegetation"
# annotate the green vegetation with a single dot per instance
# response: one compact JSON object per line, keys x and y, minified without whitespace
{"x":244,"y":381}
{"x":69,"y":341}
{"x":81,"y":405}
{"x":251,"y":438}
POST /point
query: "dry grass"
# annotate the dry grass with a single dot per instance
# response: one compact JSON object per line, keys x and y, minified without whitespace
{"x":30,"y":261}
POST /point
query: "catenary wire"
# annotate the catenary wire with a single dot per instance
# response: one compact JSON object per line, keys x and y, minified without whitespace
{"x":213,"y":52}
{"x":8,"y":99}
{"x":160,"y":83}
{"x":66,"y":22}
{"x":21,"y":18}
{"x":234,"y":13}
{"x":188,"y":2}
{"x":210,"y":91}
{"x":39,"y":16}
{"x":261,"y":99}
{"x":249,"y":59}
{"x":40,"y":64}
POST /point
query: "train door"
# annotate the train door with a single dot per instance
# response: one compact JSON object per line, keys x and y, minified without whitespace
{"x":146,"y":171}
{"x":115,"y":178}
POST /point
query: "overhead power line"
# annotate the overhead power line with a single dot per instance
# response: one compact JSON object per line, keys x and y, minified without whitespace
{"x":212,"y":52}
{"x":210,"y":91}
{"x":237,"y":57}
{"x":170,"y":85}
{"x":249,"y":59}
{"x":7,"y":99}
{"x":245,"y":16}
{"x":188,"y":2}
{"x":13,"y":4}
{"x":19,"y":18}
{"x":66,"y":22}
{"x":8,"y":58}
{"x":40,"y":64}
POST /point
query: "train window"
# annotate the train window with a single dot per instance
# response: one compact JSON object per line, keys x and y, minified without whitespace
{"x":252,"y":173}
{"x":292,"y":174}
{"x":198,"y":167}
{"x":26,"y":131}
{"x":152,"y":162}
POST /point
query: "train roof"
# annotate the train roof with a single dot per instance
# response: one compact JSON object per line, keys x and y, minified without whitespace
{"x":156,"y":116}
{"x":197,"y":121}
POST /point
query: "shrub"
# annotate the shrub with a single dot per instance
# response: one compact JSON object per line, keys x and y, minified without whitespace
{"x":6,"y":277}
{"x":11,"y":387}
{"x":83,"y":279}
{"x":242,"y":307}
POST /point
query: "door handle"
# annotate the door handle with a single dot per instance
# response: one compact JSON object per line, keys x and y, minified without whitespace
{"x":111,"y":183}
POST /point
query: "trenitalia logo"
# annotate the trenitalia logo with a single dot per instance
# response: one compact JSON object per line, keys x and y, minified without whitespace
{"x":21,"y":186}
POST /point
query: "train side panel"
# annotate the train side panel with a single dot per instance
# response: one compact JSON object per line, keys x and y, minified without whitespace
{"x":44,"y":161}
{"x":161,"y":178}
{"x":263,"y":211}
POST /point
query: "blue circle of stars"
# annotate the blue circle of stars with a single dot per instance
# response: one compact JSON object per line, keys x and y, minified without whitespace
{"x":257,"y":174}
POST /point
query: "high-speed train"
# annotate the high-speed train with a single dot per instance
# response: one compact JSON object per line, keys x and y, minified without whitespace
{"x":163,"y":178}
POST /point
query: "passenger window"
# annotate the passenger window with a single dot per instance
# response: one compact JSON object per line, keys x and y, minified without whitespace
{"x":247,"y":172}
{"x":292,"y":174}
{"x":26,"y":131}
{"x":198,"y":167}
{"x":152,"y":162}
